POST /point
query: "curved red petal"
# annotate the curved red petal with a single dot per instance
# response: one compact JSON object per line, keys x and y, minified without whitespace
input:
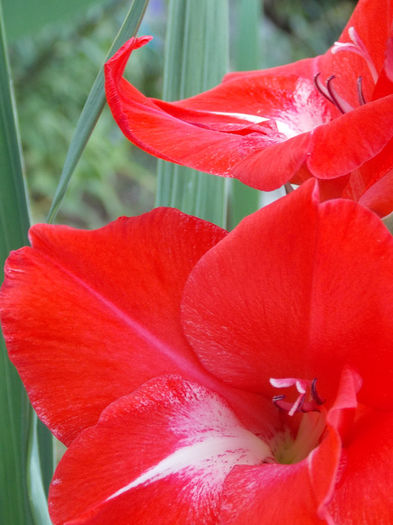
{"x":274,"y":166}
{"x":361,"y":134}
{"x":298,"y":289}
{"x":159,"y":455}
{"x":90,"y":315}
{"x":237,"y":129}
{"x":379,"y":197}
{"x":173,"y":137}
{"x":371,"y":184}
{"x":325,"y":462}
{"x":365,"y":491}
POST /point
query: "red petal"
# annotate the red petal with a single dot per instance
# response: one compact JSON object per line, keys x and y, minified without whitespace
{"x":279,"y":162}
{"x":298,"y":289}
{"x":372,"y":20}
{"x":237,"y":129}
{"x":379,"y":197}
{"x":267,"y":494}
{"x":371,"y":185}
{"x":349,"y":141}
{"x":160,"y":455}
{"x":365,"y":491}
{"x":324,"y":462}
{"x":265,"y":93}
{"x":90,"y":315}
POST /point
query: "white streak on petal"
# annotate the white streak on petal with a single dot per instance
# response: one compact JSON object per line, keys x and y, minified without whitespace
{"x":208,"y":461}
{"x":255,"y":119}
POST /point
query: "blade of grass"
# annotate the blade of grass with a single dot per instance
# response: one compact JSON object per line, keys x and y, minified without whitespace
{"x":247,"y":55}
{"x":93,"y":106}
{"x":16,"y":414}
{"x":196,"y":58}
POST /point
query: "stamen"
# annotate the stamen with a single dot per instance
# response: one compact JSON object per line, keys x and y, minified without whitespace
{"x":358,"y":47}
{"x":341,"y":104}
{"x":361,"y":98}
{"x":300,"y":404}
{"x":314,"y":392}
{"x":331,"y":95}
{"x":321,"y":88}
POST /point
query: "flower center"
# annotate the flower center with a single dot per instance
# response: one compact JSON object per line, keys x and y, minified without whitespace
{"x":287,"y":448}
{"x":358,"y":47}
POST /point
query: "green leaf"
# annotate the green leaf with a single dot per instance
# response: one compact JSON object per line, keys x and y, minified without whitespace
{"x":15,"y":410}
{"x":94,"y":105}
{"x":247,"y":52}
{"x":196,"y":58}
{"x":37,"y":495}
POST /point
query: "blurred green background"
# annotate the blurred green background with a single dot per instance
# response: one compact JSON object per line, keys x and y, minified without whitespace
{"x":55,"y":63}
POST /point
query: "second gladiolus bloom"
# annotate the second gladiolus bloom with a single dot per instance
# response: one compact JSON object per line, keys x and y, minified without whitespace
{"x":328,"y":117}
{"x":206,"y":377}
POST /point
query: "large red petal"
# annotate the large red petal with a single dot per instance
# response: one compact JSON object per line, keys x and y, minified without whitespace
{"x":298,"y":289}
{"x":159,"y":455}
{"x":90,"y":315}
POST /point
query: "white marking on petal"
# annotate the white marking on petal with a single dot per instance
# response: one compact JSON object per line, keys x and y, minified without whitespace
{"x":208,"y":461}
{"x":255,"y":119}
{"x":306,"y":112}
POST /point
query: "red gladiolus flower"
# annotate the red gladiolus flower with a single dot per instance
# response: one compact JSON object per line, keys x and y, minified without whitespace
{"x":324,"y":117}
{"x":208,"y":378}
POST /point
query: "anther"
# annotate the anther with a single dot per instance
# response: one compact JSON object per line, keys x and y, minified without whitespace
{"x":314,"y":393}
{"x":361,"y":98}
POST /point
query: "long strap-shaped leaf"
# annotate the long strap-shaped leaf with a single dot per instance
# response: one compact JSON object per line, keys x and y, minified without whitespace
{"x":247,"y":55}
{"x":18,"y":423}
{"x":93,"y":106}
{"x":196,"y":59}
